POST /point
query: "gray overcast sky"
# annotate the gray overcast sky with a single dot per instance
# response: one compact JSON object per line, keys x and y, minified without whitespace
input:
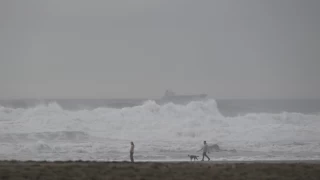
{"x":139,"y":48}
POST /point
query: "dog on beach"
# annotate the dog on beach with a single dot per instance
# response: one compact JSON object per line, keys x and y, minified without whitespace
{"x":194,"y":157}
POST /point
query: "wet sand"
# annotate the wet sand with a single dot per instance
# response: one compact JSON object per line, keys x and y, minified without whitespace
{"x":17,"y":170}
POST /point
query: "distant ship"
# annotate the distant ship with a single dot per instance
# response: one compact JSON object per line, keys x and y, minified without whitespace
{"x":170,"y":96}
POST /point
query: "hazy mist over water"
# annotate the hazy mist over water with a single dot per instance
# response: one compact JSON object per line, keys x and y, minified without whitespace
{"x":137,"y":49}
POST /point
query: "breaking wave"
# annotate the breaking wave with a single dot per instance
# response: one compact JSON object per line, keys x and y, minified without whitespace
{"x":162,"y":127}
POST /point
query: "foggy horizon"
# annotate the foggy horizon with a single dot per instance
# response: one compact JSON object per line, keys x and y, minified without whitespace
{"x":138,"y":49}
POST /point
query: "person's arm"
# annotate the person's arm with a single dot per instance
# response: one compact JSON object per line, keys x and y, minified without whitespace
{"x":200,"y":149}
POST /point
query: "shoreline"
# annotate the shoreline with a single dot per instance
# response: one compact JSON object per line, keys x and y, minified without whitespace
{"x":169,"y":161}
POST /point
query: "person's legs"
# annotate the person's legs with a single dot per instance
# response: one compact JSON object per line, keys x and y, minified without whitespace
{"x":131,"y":156}
{"x":203,"y":154}
{"x":207,"y":156}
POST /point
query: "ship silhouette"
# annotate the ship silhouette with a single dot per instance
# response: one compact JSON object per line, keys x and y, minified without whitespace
{"x":170,"y":96}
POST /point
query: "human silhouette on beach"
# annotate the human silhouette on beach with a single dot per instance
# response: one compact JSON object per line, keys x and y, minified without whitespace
{"x":131,"y":152}
{"x":205,"y":150}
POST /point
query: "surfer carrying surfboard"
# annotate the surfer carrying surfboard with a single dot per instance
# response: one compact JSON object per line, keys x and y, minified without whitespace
{"x":205,"y":150}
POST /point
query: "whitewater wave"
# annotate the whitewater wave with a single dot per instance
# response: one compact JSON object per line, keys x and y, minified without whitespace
{"x":169,"y":127}
{"x":45,"y":136}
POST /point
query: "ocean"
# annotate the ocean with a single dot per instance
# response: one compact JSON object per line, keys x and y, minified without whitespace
{"x":102,"y":129}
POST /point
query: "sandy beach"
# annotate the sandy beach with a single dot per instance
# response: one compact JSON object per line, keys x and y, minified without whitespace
{"x":14,"y":170}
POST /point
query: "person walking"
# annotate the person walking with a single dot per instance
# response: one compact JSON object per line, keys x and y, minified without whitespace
{"x":205,"y":151}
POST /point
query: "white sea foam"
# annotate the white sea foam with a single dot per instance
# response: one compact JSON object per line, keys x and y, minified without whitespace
{"x":50,"y":129}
